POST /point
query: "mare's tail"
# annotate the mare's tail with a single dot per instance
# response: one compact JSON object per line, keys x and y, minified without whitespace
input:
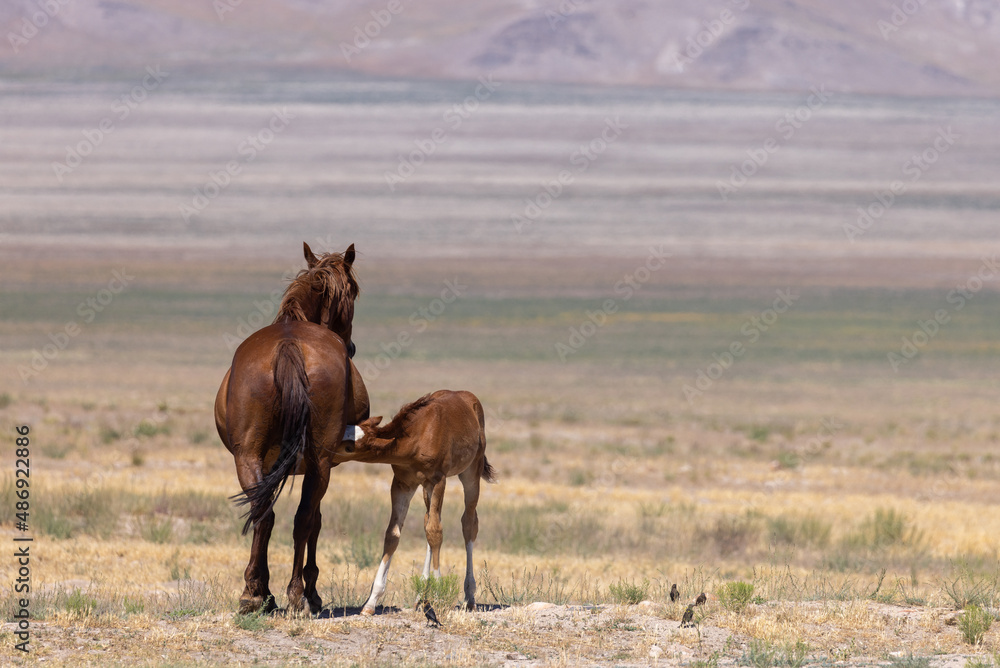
{"x":294,"y":416}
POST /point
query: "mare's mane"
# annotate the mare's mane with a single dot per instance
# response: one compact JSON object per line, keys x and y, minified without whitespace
{"x":323,"y":294}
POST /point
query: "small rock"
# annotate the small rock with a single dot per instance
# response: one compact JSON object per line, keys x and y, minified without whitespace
{"x":655,"y":652}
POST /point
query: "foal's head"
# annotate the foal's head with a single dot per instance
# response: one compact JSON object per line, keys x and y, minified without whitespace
{"x":380,"y":437}
{"x":323,"y":293}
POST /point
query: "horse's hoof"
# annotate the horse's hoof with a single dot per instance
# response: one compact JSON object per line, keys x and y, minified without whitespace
{"x":470,"y":606}
{"x":255,"y":604}
{"x":367,"y":612}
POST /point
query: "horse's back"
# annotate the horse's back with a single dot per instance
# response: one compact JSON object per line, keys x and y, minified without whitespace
{"x":460,"y":422}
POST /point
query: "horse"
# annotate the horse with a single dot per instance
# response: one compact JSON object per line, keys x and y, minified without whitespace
{"x":282,"y":410}
{"x":431,"y":439}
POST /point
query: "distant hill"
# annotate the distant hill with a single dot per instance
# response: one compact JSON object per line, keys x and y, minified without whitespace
{"x":941,"y":47}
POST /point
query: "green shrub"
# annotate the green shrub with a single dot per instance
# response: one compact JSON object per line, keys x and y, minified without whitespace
{"x":762,"y":654}
{"x":628,"y":593}
{"x":885,"y":528}
{"x":363,"y":551}
{"x":109,"y":434}
{"x":252,"y":621}
{"x":735,"y":596}
{"x":148,"y":428}
{"x":441,"y":593}
{"x":133,"y":606}
{"x":759,"y":654}
{"x":974,"y":623}
{"x":530,"y":587}
{"x":158,"y":531}
{"x":969,"y":589}
{"x":80,"y":604}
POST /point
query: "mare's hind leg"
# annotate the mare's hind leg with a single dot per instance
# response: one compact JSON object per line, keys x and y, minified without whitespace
{"x":470,"y":527}
{"x":256,"y":593}
{"x":314,"y":487}
{"x":311,"y":570}
{"x":401,"y":496}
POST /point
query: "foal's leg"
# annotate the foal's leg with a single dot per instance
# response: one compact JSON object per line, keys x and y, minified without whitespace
{"x":470,"y":527}
{"x":314,"y":487}
{"x":256,"y":593}
{"x":401,"y":496}
{"x":433,"y":499}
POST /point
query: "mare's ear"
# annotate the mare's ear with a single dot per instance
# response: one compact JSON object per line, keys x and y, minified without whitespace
{"x":311,"y":259}
{"x":349,"y":255}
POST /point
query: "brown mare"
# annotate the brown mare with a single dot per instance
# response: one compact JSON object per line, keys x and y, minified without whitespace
{"x":437,"y":436}
{"x":282,"y":410}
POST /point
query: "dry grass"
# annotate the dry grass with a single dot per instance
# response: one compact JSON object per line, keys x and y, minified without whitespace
{"x":608,"y":495}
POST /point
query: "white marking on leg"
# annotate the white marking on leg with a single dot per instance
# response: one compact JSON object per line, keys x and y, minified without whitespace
{"x":378,"y":586}
{"x":427,"y":562}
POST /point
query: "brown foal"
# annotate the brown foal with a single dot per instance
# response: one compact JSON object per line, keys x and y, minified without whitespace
{"x":437,"y":436}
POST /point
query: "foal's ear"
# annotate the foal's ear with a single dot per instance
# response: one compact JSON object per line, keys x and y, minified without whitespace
{"x":371,"y":422}
{"x":311,"y":259}
{"x":349,"y":255}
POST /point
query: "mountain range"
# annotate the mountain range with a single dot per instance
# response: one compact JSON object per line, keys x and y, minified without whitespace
{"x":901,"y":47}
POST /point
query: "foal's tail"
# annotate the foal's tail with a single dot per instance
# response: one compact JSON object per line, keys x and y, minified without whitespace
{"x":294,"y":416}
{"x":488,"y":473}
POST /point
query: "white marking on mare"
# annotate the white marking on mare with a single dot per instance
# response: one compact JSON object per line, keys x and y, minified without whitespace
{"x":353,"y":433}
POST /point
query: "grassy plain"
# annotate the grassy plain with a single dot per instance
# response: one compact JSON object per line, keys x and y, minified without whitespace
{"x":857,"y":500}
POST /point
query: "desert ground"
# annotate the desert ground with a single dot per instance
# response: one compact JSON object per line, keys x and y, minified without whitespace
{"x":829,"y":488}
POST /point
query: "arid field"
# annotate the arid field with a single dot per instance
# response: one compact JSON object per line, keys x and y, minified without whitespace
{"x":731,"y":397}
{"x":857,"y":501}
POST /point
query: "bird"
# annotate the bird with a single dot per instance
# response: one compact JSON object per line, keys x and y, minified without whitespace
{"x":701,"y":599}
{"x":674,"y":594}
{"x":432,"y":619}
{"x":687,"y":620}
